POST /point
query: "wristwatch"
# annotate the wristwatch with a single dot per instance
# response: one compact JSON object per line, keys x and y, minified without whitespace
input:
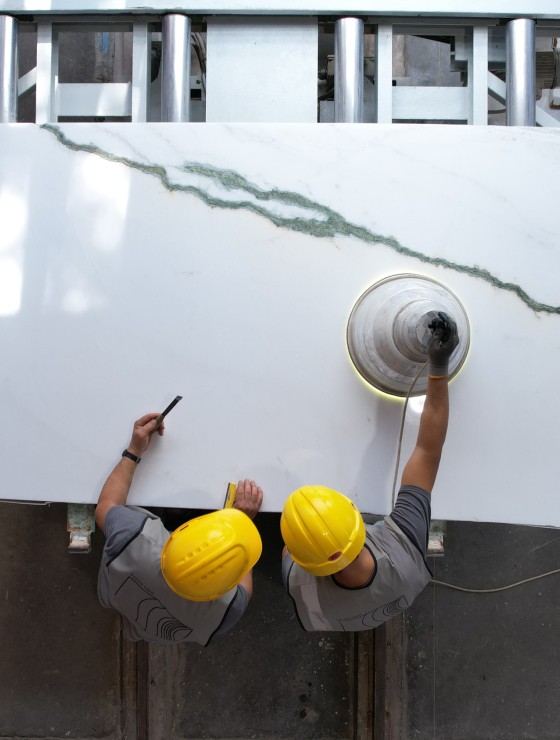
{"x":132,"y":457}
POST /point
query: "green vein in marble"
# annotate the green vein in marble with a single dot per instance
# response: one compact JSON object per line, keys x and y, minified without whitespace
{"x":329,"y":224}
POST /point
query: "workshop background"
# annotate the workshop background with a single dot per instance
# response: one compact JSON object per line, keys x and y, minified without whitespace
{"x":459,"y":665}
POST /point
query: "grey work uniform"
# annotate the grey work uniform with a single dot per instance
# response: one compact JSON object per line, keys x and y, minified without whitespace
{"x":130,"y":581}
{"x":398,"y":544}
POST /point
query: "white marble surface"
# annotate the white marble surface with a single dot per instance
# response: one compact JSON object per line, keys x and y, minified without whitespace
{"x":221,"y":262}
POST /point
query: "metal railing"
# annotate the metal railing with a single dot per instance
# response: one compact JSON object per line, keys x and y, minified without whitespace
{"x":381,"y":98}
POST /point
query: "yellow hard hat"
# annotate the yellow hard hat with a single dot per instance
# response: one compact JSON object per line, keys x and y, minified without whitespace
{"x":323,"y":530}
{"x":207,"y":556}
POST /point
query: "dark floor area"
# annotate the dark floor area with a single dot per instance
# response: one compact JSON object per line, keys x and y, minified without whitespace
{"x":475,"y":666}
{"x":60,"y":669}
{"x":487,"y":666}
{"x":63,"y":673}
{"x":266,"y":678}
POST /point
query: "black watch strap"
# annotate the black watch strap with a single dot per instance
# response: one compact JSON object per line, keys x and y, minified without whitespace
{"x":130,"y":456}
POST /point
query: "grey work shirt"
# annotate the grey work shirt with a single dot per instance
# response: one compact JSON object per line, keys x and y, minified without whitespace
{"x":124,"y":526}
{"x":398,"y":544}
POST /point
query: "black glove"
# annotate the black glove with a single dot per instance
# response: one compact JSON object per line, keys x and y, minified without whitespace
{"x":442,"y":344}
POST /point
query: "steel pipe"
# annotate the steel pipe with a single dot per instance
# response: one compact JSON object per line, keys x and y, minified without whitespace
{"x":176,"y":68}
{"x":8,"y":69}
{"x":520,"y":73}
{"x":349,"y":70}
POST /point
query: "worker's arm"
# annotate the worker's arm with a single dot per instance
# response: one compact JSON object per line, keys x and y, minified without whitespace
{"x":248,"y":499}
{"x":116,"y":488}
{"x":422,"y":467}
{"x":360,"y":571}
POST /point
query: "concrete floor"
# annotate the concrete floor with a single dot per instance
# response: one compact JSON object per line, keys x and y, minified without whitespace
{"x":264,"y":679}
{"x":66,"y":672}
{"x":472,"y":666}
{"x":486,"y":666}
{"x":60,"y":668}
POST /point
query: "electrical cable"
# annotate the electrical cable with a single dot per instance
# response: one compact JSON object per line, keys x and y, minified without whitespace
{"x":494,"y":590}
{"x":433,"y":580}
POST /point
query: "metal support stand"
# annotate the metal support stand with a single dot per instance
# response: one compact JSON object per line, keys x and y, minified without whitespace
{"x":176,"y":68}
{"x":520,"y":73}
{"x":80,"y":522}
{"x":47,"y":73}
{"x":141,"y":60}
{"x":384,"y":73}
{"x":478,"y":76}
{"x":438,"y":530}
{"x":349,"y":71}
{"x":8,"y":69}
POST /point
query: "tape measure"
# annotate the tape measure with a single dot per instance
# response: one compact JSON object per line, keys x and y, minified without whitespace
{"x":230,"y":495}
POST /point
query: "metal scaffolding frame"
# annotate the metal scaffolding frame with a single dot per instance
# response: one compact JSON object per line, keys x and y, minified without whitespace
{"x":8,"y":69}
{"x":508,"y":9}
{"x":475,"y":38}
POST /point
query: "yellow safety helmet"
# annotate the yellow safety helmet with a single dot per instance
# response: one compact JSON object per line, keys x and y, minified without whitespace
{"x":323,"y":530}
{"x":206,"y":557}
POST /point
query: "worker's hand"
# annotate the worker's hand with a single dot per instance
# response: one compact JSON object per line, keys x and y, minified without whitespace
{"x":248,"y":498}
{"x":442,"y":343}
{"x":142,"y":432}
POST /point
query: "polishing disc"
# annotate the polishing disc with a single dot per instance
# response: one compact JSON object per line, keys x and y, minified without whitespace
{"x":388,"y":332}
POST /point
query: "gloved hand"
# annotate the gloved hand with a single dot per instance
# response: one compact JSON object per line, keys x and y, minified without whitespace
{"x":442,"y":343}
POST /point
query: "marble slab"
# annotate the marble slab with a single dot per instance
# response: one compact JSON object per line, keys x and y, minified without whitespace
{"x":221,"y":262}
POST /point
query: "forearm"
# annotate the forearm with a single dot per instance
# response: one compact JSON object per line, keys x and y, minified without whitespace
{"x":422,"y":468}
{"x":434,"y":419}
{"x":116,"y":488}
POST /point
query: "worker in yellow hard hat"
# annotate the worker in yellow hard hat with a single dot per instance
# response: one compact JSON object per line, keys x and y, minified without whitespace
{"x":184,"y":586}
{"x":344,"y":575}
